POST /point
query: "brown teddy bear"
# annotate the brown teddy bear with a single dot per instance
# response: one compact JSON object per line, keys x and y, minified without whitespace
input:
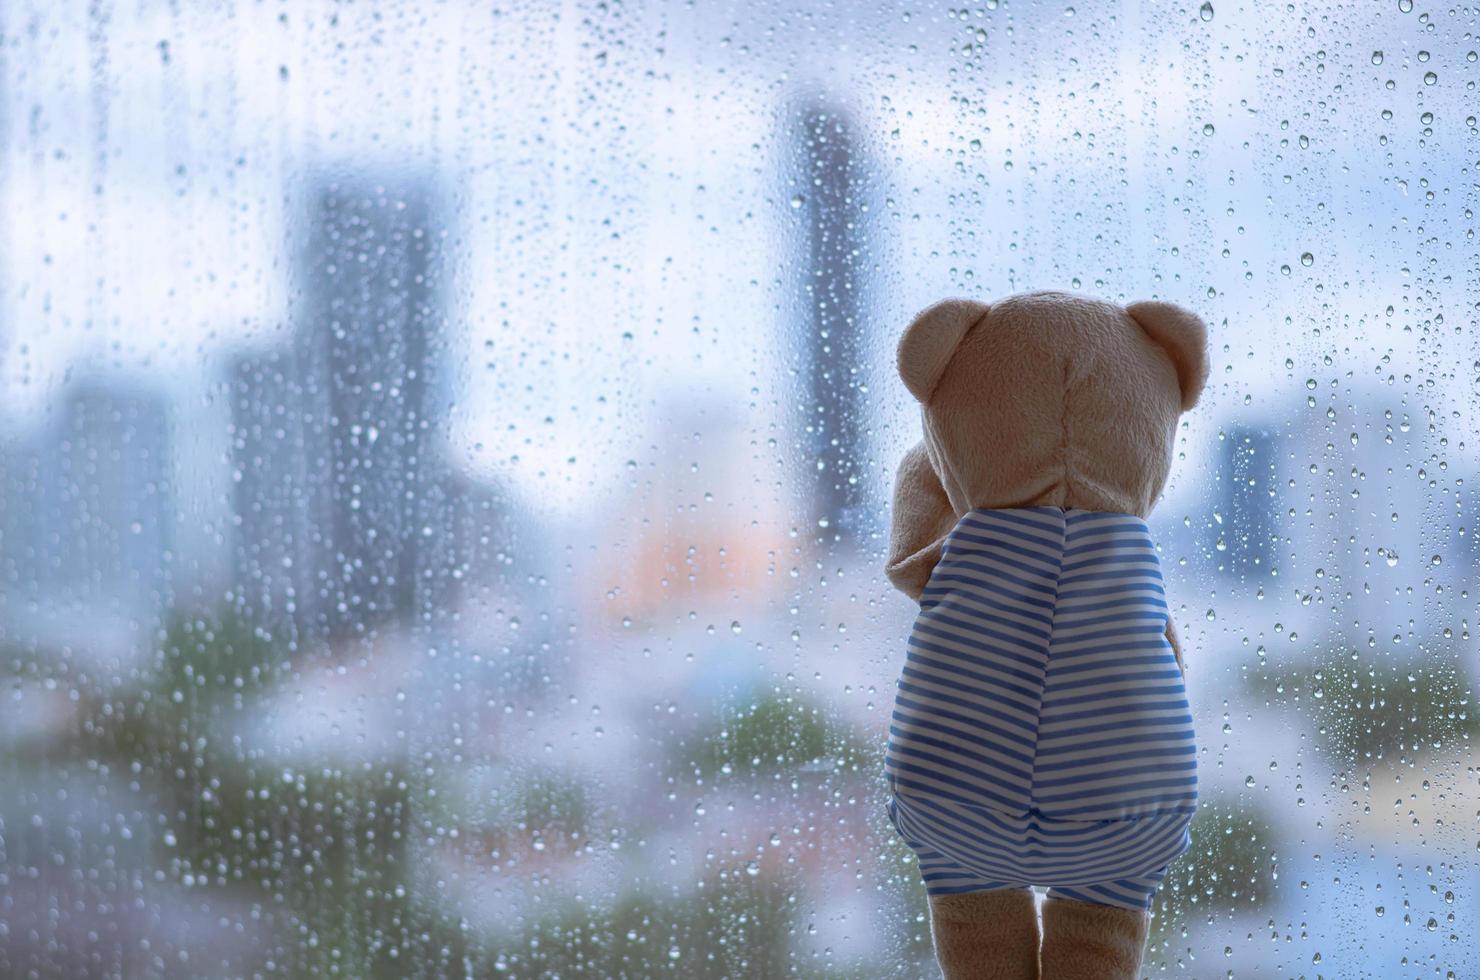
{"x":1041,"y":733}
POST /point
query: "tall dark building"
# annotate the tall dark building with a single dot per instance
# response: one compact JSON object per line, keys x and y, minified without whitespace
{"x":829,"y":178}
{"x":372,"y":323}
{"x":337,"y":438}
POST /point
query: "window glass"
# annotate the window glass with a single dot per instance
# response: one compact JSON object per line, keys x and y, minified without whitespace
{"x":446,"y":454}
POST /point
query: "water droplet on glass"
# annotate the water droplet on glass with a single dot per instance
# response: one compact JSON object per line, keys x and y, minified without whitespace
{"x":1405,"y":5}
{"x":1307,"y":259}
{"x":1205,"y":12}
{"x":797,"y":200}
{"x":1429,"y":78}
{"x":1207,"y":129}
{"x":1377,"y":57}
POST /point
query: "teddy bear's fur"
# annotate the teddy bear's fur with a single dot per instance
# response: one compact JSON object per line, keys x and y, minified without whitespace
{"x":1038,"y":399}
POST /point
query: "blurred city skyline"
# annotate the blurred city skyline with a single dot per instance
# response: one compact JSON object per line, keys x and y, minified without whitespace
{"x":964,"y":158}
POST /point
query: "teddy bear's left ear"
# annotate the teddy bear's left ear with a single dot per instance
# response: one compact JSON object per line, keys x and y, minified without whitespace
{"x":1182,"y":335}
{"x":928,"y":342}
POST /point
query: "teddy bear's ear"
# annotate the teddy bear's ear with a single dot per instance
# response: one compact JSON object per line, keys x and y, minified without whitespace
{"x":928,"y":342}
{"x":1182,"y":335}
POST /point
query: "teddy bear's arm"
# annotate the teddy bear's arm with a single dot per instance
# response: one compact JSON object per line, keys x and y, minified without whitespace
{"x":1176,"y":647}
{"x":921,"y":521}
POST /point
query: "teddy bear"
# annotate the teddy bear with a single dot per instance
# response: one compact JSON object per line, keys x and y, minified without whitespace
{"x":1041,"y":733}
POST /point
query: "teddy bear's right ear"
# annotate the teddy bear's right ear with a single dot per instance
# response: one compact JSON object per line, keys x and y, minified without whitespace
{"x":928,"y":342}
{"x":1182,"y":335}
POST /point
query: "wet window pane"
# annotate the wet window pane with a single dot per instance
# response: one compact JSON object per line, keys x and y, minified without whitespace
{"x":446,"y":454}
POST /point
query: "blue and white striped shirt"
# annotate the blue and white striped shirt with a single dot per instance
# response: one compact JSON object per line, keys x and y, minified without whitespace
{"x":1041,"y":732}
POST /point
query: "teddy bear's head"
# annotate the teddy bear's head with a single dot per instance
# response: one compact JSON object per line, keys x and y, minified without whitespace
{"x":1053,"y":399}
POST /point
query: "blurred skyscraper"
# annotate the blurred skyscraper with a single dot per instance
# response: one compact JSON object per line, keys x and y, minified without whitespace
{"x":370,"y":325}
{"x":829,"y":187}
{"x":88,"y":503}
{"x":276,"y":487}
{"x":347,"y":512}
{"x":1248,"y":484}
